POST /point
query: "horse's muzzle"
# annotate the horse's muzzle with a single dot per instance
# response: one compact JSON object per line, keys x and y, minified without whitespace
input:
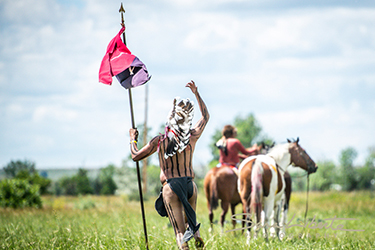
{"x":312,"y":169}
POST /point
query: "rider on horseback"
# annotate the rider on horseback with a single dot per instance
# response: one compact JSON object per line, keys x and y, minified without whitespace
{"x":232,"y":150}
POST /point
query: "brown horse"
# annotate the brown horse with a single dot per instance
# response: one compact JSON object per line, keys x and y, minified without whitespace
{"x":221,"y":183}
{"x":261,"y":185}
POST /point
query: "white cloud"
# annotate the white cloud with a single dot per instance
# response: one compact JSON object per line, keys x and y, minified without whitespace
{"x":302,"y":71}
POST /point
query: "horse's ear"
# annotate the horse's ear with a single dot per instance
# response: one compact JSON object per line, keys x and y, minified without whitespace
{"x":297,"y":140}
{"x":288,"y":140}
{"x":273,"y":144}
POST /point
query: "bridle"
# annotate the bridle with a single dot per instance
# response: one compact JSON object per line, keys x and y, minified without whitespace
{"x":310,"y":167}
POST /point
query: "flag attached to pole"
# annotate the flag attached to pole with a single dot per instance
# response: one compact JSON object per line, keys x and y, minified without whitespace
{"x":120,"y":62}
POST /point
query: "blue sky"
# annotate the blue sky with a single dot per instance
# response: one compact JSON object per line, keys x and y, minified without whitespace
{"x":302,"y":68}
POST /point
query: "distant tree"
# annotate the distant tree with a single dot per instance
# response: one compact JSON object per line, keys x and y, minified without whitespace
{"x":367,"y":172}
{"x":83,"y":182}
{"x":248,"y":129}
{"x":12,"y":168}
{"x":97,"y":186}
{"x":349,"y":175}
{"x":67,"y":186}
{"x":126,"y":180}
{"x":326,"y":175}
{"x":75,"y":185}
{"x":105,"y":180}
{"x":25,"y":170}
{"x":153,"y":180}
{"x":370,"y":160}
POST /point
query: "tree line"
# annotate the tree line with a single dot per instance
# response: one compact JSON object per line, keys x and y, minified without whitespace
{"x":24,"y":185}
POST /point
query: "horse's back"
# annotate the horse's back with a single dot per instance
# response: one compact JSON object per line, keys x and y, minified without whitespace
{"x":272,"y":180}
{"x":225,"y":181}
{"x":227,"y":185}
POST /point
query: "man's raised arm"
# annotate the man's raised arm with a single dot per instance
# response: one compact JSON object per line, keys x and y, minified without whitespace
{"x":201,"y":124}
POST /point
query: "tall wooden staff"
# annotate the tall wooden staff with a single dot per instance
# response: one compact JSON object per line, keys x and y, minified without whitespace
{"x":122,"y":11}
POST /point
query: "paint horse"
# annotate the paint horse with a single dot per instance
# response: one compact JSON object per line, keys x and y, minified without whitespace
{"x":262,"y":186}
{"x":220,"y":183}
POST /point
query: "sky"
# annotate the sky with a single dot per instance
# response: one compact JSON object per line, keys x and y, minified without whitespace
{"x":304,"y":69}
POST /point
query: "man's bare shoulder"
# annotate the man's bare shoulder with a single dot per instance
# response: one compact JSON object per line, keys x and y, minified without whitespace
{"x":157,"y":139}
{"x":194,"y":135}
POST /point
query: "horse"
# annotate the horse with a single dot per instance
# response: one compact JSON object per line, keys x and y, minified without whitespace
{"x":220,"y":183}
{"x":261,"y":183}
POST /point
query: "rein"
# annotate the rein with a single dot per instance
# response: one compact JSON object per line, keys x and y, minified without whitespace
{"x":307,"y":196}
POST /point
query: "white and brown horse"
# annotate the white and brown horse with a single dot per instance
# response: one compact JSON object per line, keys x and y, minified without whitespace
{"x":262,"y":186}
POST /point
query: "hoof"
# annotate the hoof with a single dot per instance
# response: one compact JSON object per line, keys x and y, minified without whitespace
{"x":199,"y":244}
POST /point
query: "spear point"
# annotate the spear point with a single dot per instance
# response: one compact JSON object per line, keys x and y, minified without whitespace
{"x":121,"y":10}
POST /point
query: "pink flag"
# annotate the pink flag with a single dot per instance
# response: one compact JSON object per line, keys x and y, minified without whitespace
{"x":120,"y":62}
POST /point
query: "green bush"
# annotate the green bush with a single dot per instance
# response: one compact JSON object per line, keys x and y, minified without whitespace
{"x":75,"y":185}
{"x":35,"y":179}
{"x":18,"y":193}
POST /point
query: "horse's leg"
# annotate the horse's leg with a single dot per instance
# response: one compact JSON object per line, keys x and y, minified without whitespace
{"x":268,"y":208}
{"x":277,"y":212}
{"x":272,"y":228}
{"x":284,"y":218}
{"x":248,"y":222}
{"x":233,"y":210}
{"x":211,"y":217}
{"x":246,"y":218}
{"x":225,"y":207}
{"x":207,"y":190}
{"x":288,"y":192}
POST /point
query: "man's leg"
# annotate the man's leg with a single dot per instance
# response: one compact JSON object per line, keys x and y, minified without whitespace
{"x":193,"y":202}
{"x":175,"y":214}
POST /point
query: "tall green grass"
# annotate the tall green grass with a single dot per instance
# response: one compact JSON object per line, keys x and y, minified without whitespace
{"x":93,"y":222}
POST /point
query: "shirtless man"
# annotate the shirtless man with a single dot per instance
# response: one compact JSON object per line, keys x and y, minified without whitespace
{"x":175,"y":149}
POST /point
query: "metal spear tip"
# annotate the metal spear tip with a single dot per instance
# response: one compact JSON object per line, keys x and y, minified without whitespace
{"x":121,"y":10}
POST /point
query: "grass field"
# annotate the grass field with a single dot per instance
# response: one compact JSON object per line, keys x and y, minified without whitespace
{"x":114,"y":223}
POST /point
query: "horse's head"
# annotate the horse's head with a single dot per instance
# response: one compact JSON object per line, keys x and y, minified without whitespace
{"x":300,"y":158}
{"x":265,"y":148}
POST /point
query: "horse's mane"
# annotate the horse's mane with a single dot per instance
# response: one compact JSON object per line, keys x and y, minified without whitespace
{"x":278,"y":148}
{"x":279,"y":153}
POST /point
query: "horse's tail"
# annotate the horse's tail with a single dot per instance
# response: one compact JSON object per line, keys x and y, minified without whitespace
{"x":256,"y":189}
{"x":214,"y":200}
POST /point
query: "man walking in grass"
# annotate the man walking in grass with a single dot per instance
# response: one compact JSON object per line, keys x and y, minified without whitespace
{"x":175,"y":149}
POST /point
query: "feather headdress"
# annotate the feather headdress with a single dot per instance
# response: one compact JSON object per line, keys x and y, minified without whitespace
{"x":222,"y":144}
{"x":178,"y":126}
